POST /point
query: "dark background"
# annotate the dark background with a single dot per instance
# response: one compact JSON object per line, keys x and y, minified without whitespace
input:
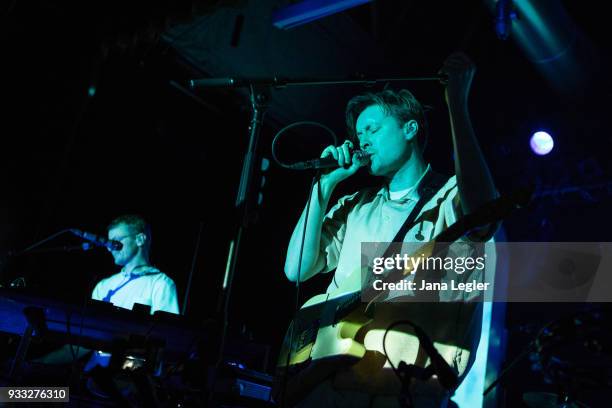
{"x":141,"y":145}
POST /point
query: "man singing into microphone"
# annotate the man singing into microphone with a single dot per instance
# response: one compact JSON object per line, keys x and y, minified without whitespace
{"x":138,"y":281}
{"x":390,"y":128}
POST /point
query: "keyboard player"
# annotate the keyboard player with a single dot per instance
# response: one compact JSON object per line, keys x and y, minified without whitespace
{"x":137,"y":281}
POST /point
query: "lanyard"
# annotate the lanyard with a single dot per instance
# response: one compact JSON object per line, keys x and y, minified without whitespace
{"x":111,"y":292}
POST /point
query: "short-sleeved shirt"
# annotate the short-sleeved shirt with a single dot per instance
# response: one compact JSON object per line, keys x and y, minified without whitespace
{"x":150,"y":287}
{"x":372,"y":216}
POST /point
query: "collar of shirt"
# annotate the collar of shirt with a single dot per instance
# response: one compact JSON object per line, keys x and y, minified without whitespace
{"x":413,"y":192}
{"x":140,"y":270}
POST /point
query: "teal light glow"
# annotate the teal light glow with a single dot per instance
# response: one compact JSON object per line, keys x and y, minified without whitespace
{"x":91,"y":91}
{"x":551,"y":40}
{"x":490,"y":351}
{"x":469,"y":393}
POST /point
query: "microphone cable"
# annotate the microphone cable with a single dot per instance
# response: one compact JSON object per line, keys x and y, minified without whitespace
{"x":315,"y":179}
{"x":296,"y":306}
{"x":291,"y":126}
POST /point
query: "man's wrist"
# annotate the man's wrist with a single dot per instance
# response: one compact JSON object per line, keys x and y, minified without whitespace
{"x":327,"y":184}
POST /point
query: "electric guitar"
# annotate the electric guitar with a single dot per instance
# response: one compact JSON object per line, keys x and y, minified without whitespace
{"x":328,"y":334}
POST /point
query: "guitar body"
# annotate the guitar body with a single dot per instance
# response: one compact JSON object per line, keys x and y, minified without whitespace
{"x":328,"y":335}
{"x":342,"y":338}
{"x":320,"y":340}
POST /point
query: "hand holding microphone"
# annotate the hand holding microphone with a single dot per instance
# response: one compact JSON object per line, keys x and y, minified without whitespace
{"x":347,"y":160}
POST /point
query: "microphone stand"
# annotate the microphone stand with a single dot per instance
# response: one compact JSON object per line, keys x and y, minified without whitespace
{"x":277,"y":82}
{"x":85,"y":246}
{"x":20,"y":282}
{"x":5,"y":258}
{"x":37,"y":244}
{"x":259,"y":95}
{"x":406,"y":372}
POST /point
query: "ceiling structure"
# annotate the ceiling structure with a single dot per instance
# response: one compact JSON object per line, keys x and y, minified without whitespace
{"x":378,"y":39}
{"x":543,"y":75}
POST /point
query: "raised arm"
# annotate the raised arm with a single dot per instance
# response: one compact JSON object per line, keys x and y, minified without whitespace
{"x":474,"y":180}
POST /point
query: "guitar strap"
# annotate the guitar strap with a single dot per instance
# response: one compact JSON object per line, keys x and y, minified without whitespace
{"x":431,"y":183}
{"x":429,"y":186}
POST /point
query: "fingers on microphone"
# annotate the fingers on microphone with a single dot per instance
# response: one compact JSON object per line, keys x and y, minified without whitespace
{"x":330,"y":151}
{"x":342,"y":156}
{"x":347,"y":155}
{"x":355,"y":163}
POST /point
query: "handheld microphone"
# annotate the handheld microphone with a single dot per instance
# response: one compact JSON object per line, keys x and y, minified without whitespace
{"x":328,"y":162}
{"x":98,"y":240}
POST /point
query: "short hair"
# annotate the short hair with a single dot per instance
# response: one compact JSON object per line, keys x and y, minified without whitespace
{"x":136,"y":223}
{"x":402,"y":105}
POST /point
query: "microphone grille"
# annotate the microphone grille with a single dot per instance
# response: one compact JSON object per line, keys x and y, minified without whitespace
{"x":362,"y":156}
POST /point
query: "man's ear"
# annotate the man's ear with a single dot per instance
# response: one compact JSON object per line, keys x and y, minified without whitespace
{"x":141,"y":238}
{"x":410,"y":129}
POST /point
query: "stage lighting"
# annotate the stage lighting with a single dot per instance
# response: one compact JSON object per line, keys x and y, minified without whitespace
{"x":310,"y":10}
{"x":541,"y":143}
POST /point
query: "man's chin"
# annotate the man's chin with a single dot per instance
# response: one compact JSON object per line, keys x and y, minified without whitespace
{"x":375,"y":171}
{"x":120,"y":262}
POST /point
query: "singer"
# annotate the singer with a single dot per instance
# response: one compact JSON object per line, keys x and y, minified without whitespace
{"x":390,"y":128}
{"x":138,"y":281}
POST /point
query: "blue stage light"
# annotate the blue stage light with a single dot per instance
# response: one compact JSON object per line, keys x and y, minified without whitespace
{"x":541,"y":143}
{"x":310,"y":10}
